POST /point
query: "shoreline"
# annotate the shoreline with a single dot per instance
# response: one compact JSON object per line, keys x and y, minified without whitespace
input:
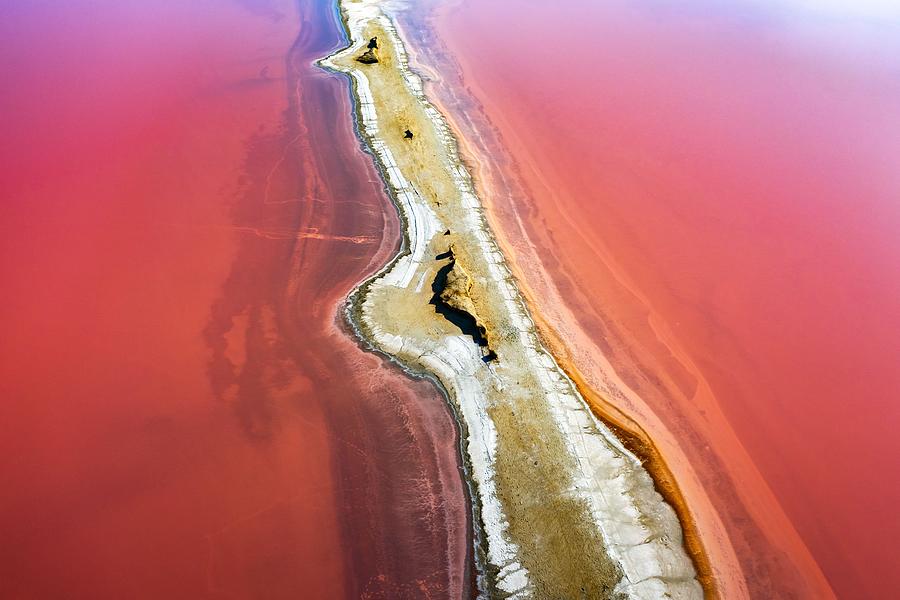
{"x":626,"y":428}
{"x":359,"y":332}
{"x":351,"y":319}
{"x":705,"y":533}
{"x":658,"y":567}
{"x":588,"y":281}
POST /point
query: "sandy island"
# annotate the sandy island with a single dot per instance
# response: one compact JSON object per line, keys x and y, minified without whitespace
{"x":562,"y":507}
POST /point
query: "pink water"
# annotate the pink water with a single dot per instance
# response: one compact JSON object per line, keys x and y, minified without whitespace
{"x":185,"y":206}
{"x":714,"y":191}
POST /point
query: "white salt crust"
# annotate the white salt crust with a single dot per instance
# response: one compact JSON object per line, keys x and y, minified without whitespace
{"x":641,"y":532}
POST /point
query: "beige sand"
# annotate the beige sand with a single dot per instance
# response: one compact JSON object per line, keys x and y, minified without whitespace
{"x":567,"y":510}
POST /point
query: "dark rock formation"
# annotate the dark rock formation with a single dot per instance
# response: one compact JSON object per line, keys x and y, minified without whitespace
{"x":451,"y":288}
{"x":408,"y":134}
{"x":368,"y":57}
{"x":373,"y":44}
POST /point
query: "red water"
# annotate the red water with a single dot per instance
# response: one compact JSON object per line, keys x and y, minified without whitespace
{"x":714,"y":191}
{"x":185,"y":206}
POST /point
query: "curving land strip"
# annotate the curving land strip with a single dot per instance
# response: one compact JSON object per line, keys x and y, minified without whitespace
{"x":563,"y":508}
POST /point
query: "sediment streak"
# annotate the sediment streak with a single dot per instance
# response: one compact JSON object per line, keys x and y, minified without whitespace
{"x":565,"y":509}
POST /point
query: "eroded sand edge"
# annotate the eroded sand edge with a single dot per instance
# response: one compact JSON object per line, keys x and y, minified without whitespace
{"x":566,"y":510}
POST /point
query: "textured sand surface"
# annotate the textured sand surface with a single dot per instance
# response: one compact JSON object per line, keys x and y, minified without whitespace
{"x":566,"y":510}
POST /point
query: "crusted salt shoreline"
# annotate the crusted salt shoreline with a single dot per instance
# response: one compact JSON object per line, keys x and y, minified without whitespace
{"x":534,"y":450}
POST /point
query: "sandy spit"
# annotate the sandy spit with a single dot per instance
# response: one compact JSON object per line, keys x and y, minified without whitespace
{"x":564,"y":508}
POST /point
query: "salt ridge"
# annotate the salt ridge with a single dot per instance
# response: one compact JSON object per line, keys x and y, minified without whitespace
{"x":641,"y":532}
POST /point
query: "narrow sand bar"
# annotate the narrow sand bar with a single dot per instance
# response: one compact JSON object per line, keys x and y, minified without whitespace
{"x":564,"y":509}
